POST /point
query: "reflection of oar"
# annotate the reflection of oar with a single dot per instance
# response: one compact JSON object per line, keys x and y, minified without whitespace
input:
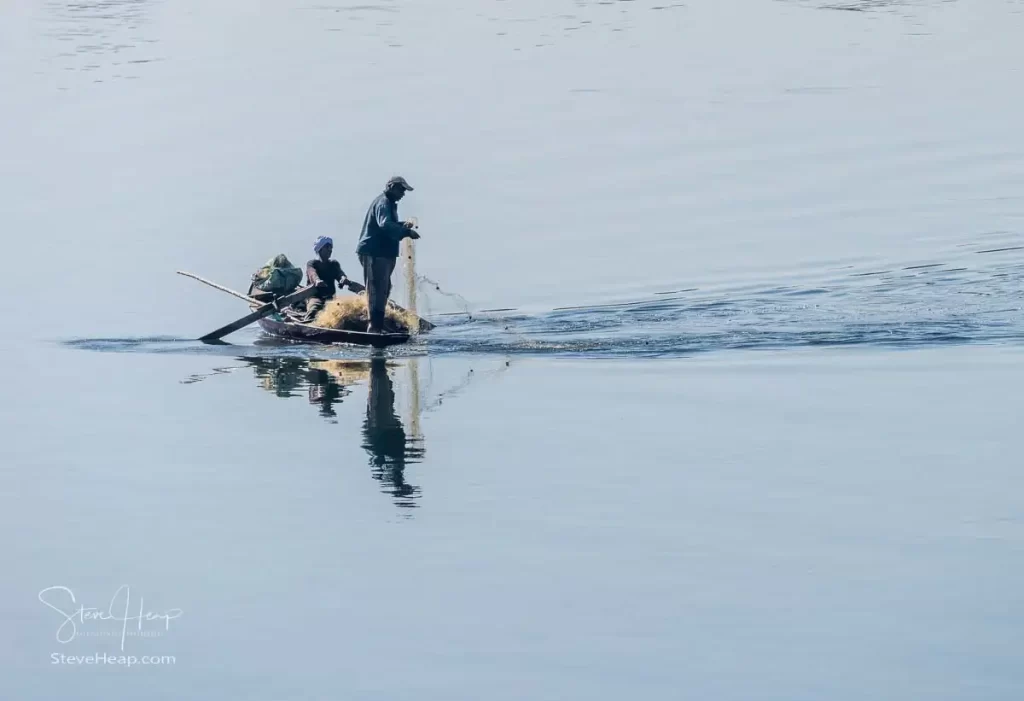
{"x":357,"y":288}
{"x":264,"y":310}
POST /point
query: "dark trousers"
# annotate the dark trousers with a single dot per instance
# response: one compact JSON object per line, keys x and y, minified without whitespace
{"x":313,"y":307}
{"x":377,"y":278}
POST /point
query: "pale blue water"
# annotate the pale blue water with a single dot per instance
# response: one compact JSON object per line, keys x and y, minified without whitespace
{"x":722,"y":402}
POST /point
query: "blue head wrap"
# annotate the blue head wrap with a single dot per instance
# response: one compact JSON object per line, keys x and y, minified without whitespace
{"x":322,"y":241}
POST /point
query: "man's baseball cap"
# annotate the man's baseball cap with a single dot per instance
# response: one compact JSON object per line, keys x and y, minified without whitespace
{"x":400,"y":182}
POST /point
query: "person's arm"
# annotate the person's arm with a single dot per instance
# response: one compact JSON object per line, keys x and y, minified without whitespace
{"x":387,"y":222}
{"x":342,"y":278}
{"x":311,"y":277}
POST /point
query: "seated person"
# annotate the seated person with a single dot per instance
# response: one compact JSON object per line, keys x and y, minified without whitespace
{"x":324,"y":273}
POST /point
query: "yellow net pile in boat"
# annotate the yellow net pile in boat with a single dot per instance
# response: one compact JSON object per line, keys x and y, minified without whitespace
{"x":348,"y":312}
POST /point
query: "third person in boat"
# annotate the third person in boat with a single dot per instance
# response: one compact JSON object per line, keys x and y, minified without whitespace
{"x":378,"y":248}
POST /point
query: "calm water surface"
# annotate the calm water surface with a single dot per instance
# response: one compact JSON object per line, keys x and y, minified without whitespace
{"x":722,"y":404}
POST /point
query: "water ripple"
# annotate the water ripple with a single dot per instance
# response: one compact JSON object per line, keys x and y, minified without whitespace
{"x":910,"y":305}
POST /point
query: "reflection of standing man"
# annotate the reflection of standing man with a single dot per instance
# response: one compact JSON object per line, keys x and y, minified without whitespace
{"x":378,"y":248}
{"x":384,"y":436}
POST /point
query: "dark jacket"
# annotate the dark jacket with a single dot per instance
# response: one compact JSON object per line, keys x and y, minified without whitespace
{"x":381,"y":230}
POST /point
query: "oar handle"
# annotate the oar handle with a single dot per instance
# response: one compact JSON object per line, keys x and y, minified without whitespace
{"x":214,"y":285}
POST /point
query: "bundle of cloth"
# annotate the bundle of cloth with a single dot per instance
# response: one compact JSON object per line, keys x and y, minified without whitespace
{"x":278,"y":276}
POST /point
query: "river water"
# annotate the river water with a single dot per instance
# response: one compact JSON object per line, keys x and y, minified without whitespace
{"x":722,"y":402}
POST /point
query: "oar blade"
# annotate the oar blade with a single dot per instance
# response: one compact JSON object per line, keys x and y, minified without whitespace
{"x":259,"y":313}
{"x":238,"y":324}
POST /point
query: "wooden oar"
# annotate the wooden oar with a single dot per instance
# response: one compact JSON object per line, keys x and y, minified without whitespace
{"x":257,"y":314}
{"x":357,"y":288}
{"x":214,"y":285}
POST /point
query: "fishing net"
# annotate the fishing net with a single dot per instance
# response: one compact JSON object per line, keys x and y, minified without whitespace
{"x":349,"y":313}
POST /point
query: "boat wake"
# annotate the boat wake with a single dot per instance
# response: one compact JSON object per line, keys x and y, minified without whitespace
{"x":975,"y":299}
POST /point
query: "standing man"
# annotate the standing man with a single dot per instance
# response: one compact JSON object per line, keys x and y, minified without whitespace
{"x":378,"y":248}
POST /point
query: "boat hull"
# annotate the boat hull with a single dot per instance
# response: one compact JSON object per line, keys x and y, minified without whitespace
{"x":314,"y":334}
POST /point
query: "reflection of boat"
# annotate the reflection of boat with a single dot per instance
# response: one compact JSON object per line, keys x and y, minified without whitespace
{"x":282,"y":327}
{"x":391,"y":433}
{"x":289,"y":377}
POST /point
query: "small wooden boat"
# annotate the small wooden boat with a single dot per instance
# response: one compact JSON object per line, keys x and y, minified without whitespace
{"x":277,"y":317}
{"x":288,"y":324}
{"x":279,"y":326}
